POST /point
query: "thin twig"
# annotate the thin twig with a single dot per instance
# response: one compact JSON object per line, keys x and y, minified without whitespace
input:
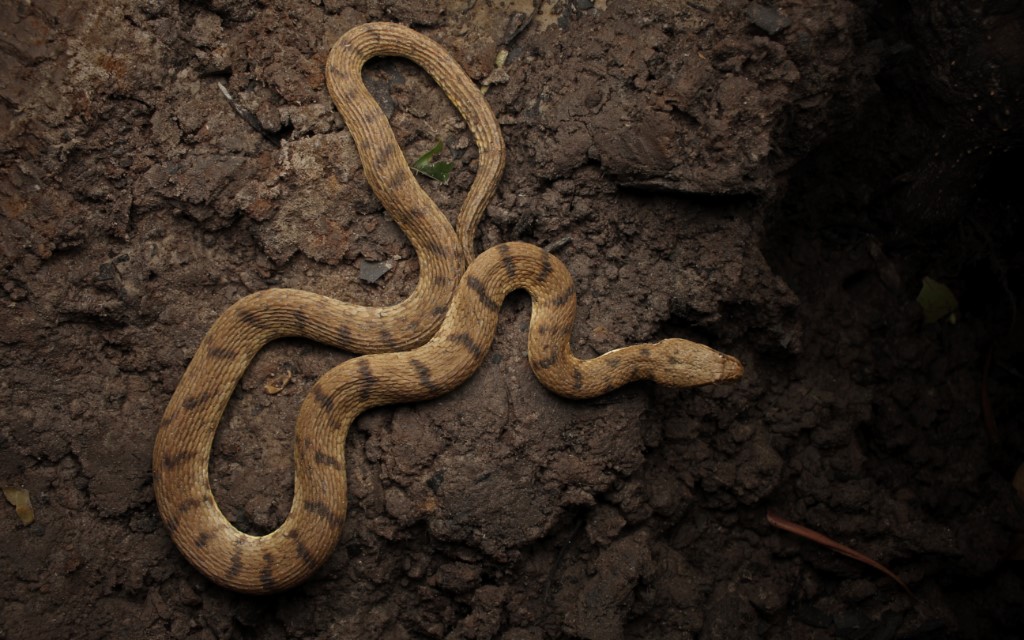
{"x":786,"y":525}
{"x":558,"y":244}
{"x":249,"y":117}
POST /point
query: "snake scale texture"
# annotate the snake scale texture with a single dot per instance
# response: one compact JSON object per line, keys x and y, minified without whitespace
{"x":397,"y":370}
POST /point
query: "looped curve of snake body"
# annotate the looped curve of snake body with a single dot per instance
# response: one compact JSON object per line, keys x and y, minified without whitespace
{"x":394,"y":373}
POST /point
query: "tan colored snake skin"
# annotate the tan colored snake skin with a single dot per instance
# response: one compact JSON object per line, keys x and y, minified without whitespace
{"x":255,"y":320}
{"x":248,"y":325}
{"x":288,"y":555}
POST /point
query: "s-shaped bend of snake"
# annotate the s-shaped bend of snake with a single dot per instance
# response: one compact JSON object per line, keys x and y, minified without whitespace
{"x":291,"y":553}
{"x":248,"y":325}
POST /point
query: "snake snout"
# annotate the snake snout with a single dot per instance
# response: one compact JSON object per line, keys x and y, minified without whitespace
{"x":691,"y":364}
{"x":732,"y":369}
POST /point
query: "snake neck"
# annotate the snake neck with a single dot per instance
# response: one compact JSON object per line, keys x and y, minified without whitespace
{"x":376,"y":142}
{"x":458,"y":348}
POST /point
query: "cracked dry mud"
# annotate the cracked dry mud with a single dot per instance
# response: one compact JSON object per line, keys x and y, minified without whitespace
{"x":773,"y":179}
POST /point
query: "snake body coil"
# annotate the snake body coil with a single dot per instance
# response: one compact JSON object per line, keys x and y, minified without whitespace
{"x":248,"y":325}
{"x":288,"y":555}
{"x":181,"y":453}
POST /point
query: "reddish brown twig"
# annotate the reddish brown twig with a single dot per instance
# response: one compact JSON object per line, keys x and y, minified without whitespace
{"x":781,"y":523}
{"x":986,"y":405}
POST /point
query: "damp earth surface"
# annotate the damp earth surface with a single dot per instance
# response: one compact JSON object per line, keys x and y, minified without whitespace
{"x":772,"y":179}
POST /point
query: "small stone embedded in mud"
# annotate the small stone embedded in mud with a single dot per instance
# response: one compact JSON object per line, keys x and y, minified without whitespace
{"x":768,"y":19}
{"x":277,"y":383}
{"x":371,"y":272}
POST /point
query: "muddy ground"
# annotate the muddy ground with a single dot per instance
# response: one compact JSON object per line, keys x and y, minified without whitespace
{"x":773,"y":179}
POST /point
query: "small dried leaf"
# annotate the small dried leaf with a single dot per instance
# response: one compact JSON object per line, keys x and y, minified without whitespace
{"x":937,"y":301}
{"x":21,"y":502}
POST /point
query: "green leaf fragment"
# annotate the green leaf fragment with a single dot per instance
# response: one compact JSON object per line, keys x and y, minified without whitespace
{"x":436,"y":170}
{"x":937,"y":301}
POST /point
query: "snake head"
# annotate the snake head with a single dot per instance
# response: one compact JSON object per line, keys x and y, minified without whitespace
{"x":683,"y":363}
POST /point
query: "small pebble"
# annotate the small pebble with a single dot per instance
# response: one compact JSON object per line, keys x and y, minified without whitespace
{"x":371,"y":272}
{"x":768,"y":19}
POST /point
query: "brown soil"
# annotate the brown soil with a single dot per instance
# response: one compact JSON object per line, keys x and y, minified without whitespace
{"x":772,"y":180}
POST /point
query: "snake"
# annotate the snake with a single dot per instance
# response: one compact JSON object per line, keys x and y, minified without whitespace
{"x":442,"y":252}
{"x":291,"y":553}
{"x":255,"y":320}
{"x":407,"y":355}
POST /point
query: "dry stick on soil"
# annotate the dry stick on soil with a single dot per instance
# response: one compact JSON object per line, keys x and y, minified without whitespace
{"x":986,"y":405}
{"x":558,"y":244}
{"x":249,"y":117}
{"x":781,"y":523}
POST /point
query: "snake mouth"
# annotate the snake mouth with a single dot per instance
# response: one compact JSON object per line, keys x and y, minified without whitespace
{"x":732,"y":369}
